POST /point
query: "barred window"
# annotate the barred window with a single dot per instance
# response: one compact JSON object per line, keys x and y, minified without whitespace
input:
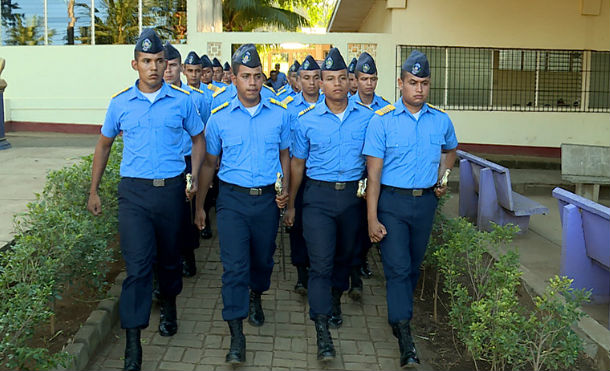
{"x":516,"y":79}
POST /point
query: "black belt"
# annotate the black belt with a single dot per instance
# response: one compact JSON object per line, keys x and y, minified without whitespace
{"x":337,"y":186}
{"x":158,"y":182}
{"x":415,"y":192}
{"x":255,"y":191}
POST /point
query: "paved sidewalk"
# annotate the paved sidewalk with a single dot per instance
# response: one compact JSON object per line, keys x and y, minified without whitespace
{"x":287,"y":340}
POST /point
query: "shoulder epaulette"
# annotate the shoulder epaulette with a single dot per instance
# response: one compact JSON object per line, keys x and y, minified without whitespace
{"x":219,"y":107}
{"x":281,"y":91}
{"x":212,"y":87}
{"x":197,"y":90}
{"x":277,"y":102}
{"x":364,"y":105}
{"x":384,"y":110}
{"x":436,"y":108}
{"x":385,"y":100}
{"x":121,"y":92}
{"x":268,"y":87}
{"x":287,"y":100}
{"x":180,"y":89}
{"x":307,"y":109}
{"x":217,"y":92}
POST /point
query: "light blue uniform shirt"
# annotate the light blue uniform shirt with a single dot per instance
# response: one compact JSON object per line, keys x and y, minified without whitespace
{"x":152,"y":132}
{"x":410,"y":149}
{"x":250,"y":145}
{"x":295,"y":106}
{"x":229,"y":92}
{"x":286,"y":92}
{"x":378,"y":101}
{"x":203,"y":109}
{"x":219,"y":84}
{"x":333,"y":149}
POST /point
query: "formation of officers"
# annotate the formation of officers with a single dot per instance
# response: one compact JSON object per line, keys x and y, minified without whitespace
{"x":346,"y":167}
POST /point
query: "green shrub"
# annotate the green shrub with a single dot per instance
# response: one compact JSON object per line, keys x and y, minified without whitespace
{"x":58,"y":245}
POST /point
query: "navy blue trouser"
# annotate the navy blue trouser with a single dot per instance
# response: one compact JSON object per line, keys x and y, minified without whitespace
{"x":331,"y":220}
{"x":189,"y":234}
{"x":363,"y":244}
{"x":149,"y":225}
{"x":408,"y":220}
{"x":247,"y":227}
{"x":298,"y":248}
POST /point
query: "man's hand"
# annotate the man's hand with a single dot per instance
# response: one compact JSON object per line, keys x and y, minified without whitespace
{"x":440,"y":191}
{"x":289,"y":217}
{"x":377,"y":231}
{"x":281,"y":200}
{"x":190,"y":193}
{"x":94,"y":205}
{"x":199,"y":218}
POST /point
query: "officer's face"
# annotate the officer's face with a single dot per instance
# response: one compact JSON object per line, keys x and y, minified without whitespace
{"x":217,"y":73}
{"x":353,"y":84}
{"x":193,"y":74}
{"x":248,"y":83}
{"x":310,"y":82}
{"x":226,"y":77}
{"x":172,"y":72}
{"x":150,"y":68}
{"x":294,"y":82}
{"x":366,"y":83}
{"x":206,"y":75}
{"x":335,"y":84}
{"x":414,"y":89}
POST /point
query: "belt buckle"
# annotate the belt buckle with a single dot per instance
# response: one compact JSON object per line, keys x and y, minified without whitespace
{"x":418,"y":192}
{"x":339,"y":186}
{"x":158,"y":182}
{"x":256,"y":191}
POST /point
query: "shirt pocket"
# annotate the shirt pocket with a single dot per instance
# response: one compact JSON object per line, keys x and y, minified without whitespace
{"x":172,"y":127}
{"x":321,"y":143}
{"x":436,"y":143}
{"x":134,"y":135}
{"x":396,"y":145}
{"x":272,"y":146}
{"x":358,"y":140}
{"x":231,"y":149}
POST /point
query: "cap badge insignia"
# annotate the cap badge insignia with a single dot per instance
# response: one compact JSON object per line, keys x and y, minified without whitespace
{"x":305,"y":65}
{"x":146,"y":44}
{"x":329,"y":62}
{"x":416,"y":68}
{"x":366,"y":67}
{"x":246,"y":58}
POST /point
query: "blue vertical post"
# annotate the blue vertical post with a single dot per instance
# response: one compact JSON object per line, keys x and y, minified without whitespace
{"x":4,"y":144}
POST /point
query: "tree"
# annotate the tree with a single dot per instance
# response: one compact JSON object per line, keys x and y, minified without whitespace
{"x":121,"y":24}
{"x":27,"y":34}
{"x":247,"y":15}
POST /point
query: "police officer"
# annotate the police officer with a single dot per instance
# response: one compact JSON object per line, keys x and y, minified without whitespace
{"x":228,"y":92}
{"x":328,"y":141}
{"x":207,"y":74}
{"x":253,"y":135}
{"x":226,"y":73}
{"x":190,"y":235}
{"x":217,"y":73}
{"x":191,"y":68}
{"x":403,"y":146}
{"x":353,"y":85}
{"x":309,"y":75}
{"x":152,"y":116}
{"x":292,"y":88}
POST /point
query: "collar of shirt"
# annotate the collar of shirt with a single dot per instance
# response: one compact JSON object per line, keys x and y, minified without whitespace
{"x":400,"y":108}
{"x":321,"y":108}
{"x":135,"y":93}
{"x":236,"y":103}
{"x":184,"y":86}
{"x":298,"y":99}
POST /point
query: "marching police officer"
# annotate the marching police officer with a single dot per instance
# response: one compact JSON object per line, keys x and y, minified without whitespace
{"x":207,"y":74}
{"x":351,"y":70}
{"x":191,"y":68}
{"x":309,"y":75}
{"x":152,"y":116}
{"x":217,"y":73}
{"x":328,"y":141}
{"x":190,"y":234}
{"x":253,"y":135}
{"x":226,"y":73}
{"x":403,"y":146}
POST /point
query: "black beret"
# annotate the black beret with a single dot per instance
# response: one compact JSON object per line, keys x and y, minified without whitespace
{"x":417,"y":64}
{"x":247,"y":55}
{"x":309,"y":64}
{"x":227,"y":67}
{"x":352,"y":66}
{"x":366,"y":64}
{"x":205,"y":61}
{"x":171,"y":52}
{"x":334,"y":61}
{"x":149,"y":42}
{"x":216,"y":63}
{"x":192,"y":58}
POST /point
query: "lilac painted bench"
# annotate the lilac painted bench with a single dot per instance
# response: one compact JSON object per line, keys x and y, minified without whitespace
{"x":585,"y":246}
{"x":486,"y":195}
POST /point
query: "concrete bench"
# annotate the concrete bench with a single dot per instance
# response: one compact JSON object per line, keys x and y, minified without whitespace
{"x":586,"y":166}
{"x":486,"y":195}
{"x":585,"y":244}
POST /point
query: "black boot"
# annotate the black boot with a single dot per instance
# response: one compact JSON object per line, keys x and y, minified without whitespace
{"x":326,"y":349}
{"x":355,"y":292}
{"x":256,"y":316}
{"x":408,"y":354}
{"x":336,"y":320}
{"x":206,"y":233}
{"x":189,"y":267}
{"x":365,"y":270}
{"x":133,"y":350}
{"x":168,"y":323}
{"x":303,"y":276}
{"x":237,"y":352}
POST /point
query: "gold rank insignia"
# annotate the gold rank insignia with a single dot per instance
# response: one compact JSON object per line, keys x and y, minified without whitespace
{"x":268,"y":87}
{"x":307,"y":109}
{"x":225,"y":104}
{"x":384,"y":110}
{"x":436,"y":108}
{"x":212,"y":87}
{"x":364,"y":105}
{"x":180,"y":89}
{"x":287,"y":100}
{"x":121,"y":92}
{"x":197,"y":90}
{"x":217,"y":92}
{"x":277,"y":102}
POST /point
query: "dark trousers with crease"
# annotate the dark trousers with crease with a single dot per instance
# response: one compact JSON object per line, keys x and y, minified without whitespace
{"x":298,"y":247}
{"x":189,"y":235}
{"x":331,"y":220}
{"x":247,"y":227}
{"x":149,"y":226}
{"x":408,"y":220}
